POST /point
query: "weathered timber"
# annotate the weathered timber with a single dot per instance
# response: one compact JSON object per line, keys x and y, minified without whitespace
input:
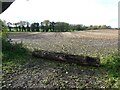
{"x":78,"y":59}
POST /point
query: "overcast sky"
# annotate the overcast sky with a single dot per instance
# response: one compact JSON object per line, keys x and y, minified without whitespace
{"x":87,"y":12}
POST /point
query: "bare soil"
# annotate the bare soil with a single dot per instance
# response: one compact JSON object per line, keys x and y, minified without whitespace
{"x":82,"y":42}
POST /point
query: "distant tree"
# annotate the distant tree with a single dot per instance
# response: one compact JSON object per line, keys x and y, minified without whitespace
{"x":79,"y":27}
{"x":42,"y":27}
{"x":37,"y":26}
{"x":16,"y":26}
{"x":23,"y":25}
{"x":46,"y":24}
{"x":61,"y":27}
{"x":32,"y":27}
{"x":109,"y":27}
{"x":19,"y":27}
{"x":95,"y":27}
{"x":91,"y":27}
{"x":71,"y":27}
{"x":9,"y":26}
{"x":23,"y":28}
{"x":103,"y":27}
{"x":52,"y":26}
{"x":99,"y":26}
{"x":28,"y":27}
{"x":84,"y":27}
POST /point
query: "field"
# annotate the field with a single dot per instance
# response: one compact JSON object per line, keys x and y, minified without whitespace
{"x":87,"y":42}
{"x":38,"y":73}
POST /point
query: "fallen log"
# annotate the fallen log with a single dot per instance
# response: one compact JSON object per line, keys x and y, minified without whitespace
{"x":78,"y":59}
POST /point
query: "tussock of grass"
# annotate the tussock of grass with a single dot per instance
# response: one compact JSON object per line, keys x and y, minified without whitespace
{"x":14,"y":53}
{"x":112,"y":63}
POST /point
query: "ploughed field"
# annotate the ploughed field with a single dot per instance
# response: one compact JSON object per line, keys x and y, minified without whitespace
{"x":39,"y":73}
{"x":83,"y":42}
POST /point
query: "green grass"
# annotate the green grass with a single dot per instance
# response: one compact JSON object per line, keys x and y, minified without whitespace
{"x":112,"y":64}
{"x":14,"y":53}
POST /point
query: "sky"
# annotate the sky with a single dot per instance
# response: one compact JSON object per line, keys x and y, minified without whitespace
{"x":86,"y":12}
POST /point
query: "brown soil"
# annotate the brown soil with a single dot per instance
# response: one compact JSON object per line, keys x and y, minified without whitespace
{"x":90,"y":41}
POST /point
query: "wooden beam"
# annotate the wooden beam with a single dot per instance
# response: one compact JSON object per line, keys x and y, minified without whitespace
{"x":78,"y":59}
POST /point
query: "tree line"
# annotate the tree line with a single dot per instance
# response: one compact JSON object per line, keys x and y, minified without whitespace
{"x":48,"y":26}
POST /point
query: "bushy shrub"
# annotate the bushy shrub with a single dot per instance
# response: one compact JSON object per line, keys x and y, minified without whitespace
{"x":112,"y":63}
{"x":9,"y":50}
{"x":3,"y":30}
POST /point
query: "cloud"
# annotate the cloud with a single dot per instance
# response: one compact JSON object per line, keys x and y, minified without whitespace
{"x":85,"y":12}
